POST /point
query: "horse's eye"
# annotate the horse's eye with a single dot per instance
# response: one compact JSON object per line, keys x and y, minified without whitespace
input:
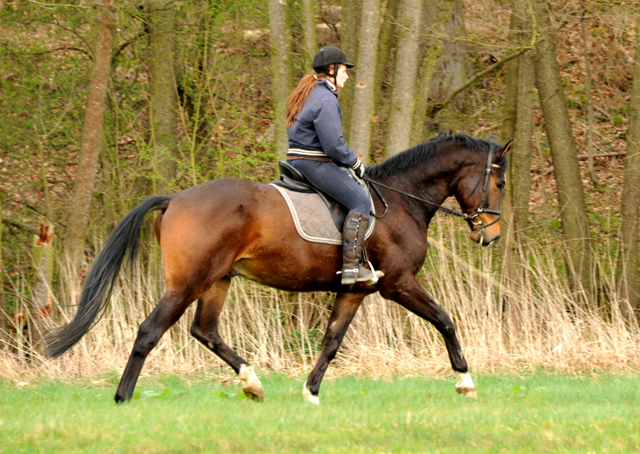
{"x":500,"y":186}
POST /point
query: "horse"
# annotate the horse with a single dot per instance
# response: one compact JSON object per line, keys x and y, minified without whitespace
{"x":224,"y":228}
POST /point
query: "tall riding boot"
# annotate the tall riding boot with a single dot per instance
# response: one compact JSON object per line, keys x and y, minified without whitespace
{"x":353,"y":265}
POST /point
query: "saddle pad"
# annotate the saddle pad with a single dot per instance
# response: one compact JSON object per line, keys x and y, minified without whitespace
{"x":312,"y":218}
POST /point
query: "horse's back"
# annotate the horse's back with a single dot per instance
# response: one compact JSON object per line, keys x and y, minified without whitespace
{"x":232,"y":226}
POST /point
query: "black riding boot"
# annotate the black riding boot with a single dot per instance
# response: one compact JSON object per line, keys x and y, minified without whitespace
{"x":353,"y":264}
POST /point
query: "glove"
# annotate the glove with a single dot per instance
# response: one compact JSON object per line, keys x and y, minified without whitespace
{"x":358,"y":168}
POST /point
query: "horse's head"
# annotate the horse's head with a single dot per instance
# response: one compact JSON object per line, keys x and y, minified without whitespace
{"x":479,"y":191}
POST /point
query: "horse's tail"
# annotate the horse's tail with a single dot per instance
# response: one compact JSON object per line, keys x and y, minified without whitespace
{"x":99,"y":284}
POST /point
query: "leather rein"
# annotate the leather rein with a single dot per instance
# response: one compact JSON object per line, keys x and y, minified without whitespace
{"x":483,"y":207}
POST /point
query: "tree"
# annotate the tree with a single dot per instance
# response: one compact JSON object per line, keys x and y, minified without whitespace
{"x":627,"y":264}
{"x":385,"y":46}
{"x":434,"y":49}
{"x":280,"y":42}
{"x":404,"y":79}
{"x":163,"y":108}
{"x":573,"y":207}
{"x":349,"y":42}
{"x":103,"y":32}
{"x":520,"y":127}
{"x":310,"y":43}
{"x":360,"y":138}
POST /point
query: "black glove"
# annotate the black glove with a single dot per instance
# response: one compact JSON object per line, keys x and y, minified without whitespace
{"x":358,"y":168}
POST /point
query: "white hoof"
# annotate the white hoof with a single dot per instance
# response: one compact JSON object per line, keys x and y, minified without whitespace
{"x":465,"y":385}
{"x":315,"y":400}
{"x":250,"y":383}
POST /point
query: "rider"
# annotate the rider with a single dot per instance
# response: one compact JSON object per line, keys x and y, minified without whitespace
{"x":318,"y":150}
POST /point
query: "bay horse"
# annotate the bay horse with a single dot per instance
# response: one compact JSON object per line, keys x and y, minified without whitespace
{"x":224,"y":228}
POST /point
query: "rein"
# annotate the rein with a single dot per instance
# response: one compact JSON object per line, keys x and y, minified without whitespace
{"x":482,"y":207}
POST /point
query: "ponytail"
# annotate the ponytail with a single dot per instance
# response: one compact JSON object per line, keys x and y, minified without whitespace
{"x":298,"y":96}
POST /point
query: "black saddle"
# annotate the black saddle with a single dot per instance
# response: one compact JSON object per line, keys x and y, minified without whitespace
{"x":293,"y":180}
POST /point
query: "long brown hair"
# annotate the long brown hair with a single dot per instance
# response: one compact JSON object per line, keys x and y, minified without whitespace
{"x":298,"y":96}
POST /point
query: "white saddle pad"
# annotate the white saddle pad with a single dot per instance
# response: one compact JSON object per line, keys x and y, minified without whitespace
{"x":312,"y":218}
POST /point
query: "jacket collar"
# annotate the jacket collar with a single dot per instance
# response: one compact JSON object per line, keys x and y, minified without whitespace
{"x":328,"y":84}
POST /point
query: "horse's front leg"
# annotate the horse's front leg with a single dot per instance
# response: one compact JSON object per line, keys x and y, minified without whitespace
{"x":408,"y":293}
{"x":345,"y":307}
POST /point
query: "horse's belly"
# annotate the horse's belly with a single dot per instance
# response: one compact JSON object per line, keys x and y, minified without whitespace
{"x":292,"y":276}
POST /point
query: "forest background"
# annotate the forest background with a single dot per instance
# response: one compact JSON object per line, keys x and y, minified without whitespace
{"x":106,"y":102}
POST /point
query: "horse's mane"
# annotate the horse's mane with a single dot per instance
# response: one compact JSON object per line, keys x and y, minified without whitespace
{"x":419,"y":153}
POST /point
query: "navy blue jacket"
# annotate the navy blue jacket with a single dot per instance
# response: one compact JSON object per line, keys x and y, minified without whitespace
{"x":317,"y":131}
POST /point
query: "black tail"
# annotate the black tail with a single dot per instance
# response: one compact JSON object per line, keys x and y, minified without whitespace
{"x":97,"y":289}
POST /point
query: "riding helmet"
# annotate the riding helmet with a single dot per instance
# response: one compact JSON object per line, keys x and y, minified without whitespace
{"x":330,"y":55}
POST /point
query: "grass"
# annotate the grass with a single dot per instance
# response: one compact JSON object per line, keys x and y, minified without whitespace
{"x":537,"y":413}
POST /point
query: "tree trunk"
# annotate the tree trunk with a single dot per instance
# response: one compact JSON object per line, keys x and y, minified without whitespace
{"x":360,"y":138}
{"x":573,"y":207}
{"x":309,"y":31}
{"x":508,"y":132}
{"x":280,"y":41}
{"x":349,"y":36}
{"x":385,"y":46}
{"x":453,"y":67}
{"x":520,"y":126}
{"x":404,"y":80}
{"x":434,"y":49}
{"x":163,"y":108}
{"x":43,"y":255}
{"x":509,"y":107}
{"x":103,"y":30}
{"x":627,"y":266}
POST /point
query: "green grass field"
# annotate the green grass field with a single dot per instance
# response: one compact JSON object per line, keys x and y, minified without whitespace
{"x":542,"y":413}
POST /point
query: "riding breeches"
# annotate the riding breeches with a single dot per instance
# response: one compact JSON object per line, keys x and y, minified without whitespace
{"x":336,"y":183}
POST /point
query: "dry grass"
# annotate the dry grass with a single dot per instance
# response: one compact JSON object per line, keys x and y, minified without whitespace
{"x":502,"y":327}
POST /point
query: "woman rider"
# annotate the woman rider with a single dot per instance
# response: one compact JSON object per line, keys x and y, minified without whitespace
{"x":318,"y":150}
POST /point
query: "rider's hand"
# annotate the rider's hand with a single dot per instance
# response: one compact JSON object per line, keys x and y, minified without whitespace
{"x":359,"y":169}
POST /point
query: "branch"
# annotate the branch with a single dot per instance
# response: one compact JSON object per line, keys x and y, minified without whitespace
{"x":77,"y":49}
{"x":435,"y":108}
{"x":126,"y":44}
{"x":35,"y":210}
{"x":19,"y":225}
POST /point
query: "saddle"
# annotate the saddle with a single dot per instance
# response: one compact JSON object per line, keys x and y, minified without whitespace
{"x":305,"y":200}
{"x":293,"y":180}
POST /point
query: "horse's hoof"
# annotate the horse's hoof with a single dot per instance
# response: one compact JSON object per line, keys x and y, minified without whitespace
{"x":467,"y":392}
{"x":252,"y":387}
{"x":306,"y":392}
{"x":465,"y":386}
{"x":254,"y":394}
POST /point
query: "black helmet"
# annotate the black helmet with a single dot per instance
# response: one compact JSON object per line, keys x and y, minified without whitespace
{"x":329,"y":55}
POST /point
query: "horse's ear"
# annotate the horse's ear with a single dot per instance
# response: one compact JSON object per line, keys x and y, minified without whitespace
{"x":504,"y":149}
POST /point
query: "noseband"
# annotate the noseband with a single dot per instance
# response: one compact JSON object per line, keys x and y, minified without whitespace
{"x":475,"y":218}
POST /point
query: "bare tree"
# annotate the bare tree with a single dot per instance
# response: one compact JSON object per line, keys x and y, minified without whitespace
{"x":404,"y":79}
{"x":434,"y":49}
{"x":163,"y":109}
{"x":310,"y":43}
{"x":573,"y":207}
{"x":349,"y":42}
{"x":360,"y":138}
{"x":103,"y":31}
{"x":627,"y":265}
{"x":516,"y":206}
{"x":281,"y":70}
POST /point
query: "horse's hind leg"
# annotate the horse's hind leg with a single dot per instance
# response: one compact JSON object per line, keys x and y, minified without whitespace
{"x":412,"y":296}
{"x":344,"y":308}
{"x":205,"y":329}
{"x":166,"y":314}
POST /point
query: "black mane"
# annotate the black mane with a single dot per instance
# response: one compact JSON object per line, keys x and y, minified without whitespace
{"x":415,"y":155}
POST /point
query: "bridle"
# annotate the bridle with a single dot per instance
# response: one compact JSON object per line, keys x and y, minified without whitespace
{"x":474,"y":218}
